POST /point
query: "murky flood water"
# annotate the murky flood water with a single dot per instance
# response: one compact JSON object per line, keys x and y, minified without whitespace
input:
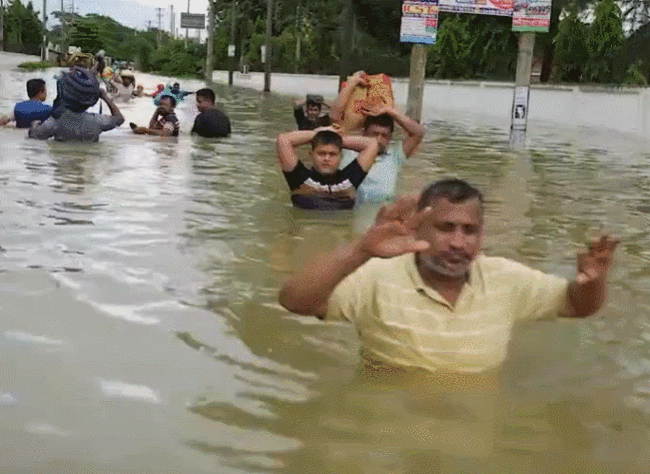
{"x":140,"y":330}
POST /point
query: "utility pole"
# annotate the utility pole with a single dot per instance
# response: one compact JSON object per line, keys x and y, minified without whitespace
{"x":187,"y":30}
{"x":231,"y":46}
{"x":172,"y":20}
{"x":519,"y":119}
{"x":268,"y":51}
{"x":209,"y":60}
{"x":298,"y":35}
{"x":44,"y":52}
{"x":159,"y":14}
{"x":416,"y":82}
{"x":2,"y":25}
{"x":346,"y":42}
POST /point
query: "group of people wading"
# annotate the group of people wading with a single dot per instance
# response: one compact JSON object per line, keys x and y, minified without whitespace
{"x":80,"y":88}
{"x":415,"y":284}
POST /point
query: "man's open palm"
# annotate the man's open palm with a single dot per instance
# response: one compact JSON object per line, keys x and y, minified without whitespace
{"x":393,"y":233}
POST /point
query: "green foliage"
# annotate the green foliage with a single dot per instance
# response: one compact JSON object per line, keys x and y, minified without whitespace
{"x":23,"y":30}
{"x":589,"y":52}
{"x":605,"y":38}
{"x":174,"y":60}
{"x":571,"y":49}
{"x":86,"y":34}
{"x":474,"y":46}
{"x":634,"y":75}
{"x":34,"y":66}
{"x":454,"y":48}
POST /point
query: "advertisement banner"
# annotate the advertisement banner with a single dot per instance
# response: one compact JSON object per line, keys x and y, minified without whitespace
{"x":419,"y":22}
{"x":532,"y":15}
{"x":481,"y":7}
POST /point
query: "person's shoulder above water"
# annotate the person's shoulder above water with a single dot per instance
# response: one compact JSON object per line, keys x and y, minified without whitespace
{"x":212,"y":124}
{"x":31,"y":111}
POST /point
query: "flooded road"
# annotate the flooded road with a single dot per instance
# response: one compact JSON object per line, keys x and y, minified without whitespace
{"x":140,"y":330}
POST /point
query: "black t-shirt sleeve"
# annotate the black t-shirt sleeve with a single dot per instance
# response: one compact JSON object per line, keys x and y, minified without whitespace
{"x":297,"y":176}
{"x":301,"y":120}
{"x":354,"y":173}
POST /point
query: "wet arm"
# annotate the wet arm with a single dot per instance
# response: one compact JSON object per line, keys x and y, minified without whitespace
{"x":42,"y":131}
{"x":585,"y":299}
{"x":368,"y":155}
{"x":286,"y":145}
{"x":338,"y":106}
{"x":309,"y":289}
{"x":165,"y":132}
{"x":414,"y":131}
{"x":115,"y":112}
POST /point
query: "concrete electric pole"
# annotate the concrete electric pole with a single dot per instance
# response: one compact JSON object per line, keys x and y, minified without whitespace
{"x":210,"y":58}
{"x":268,"y":47}
{"x":416,"y":82}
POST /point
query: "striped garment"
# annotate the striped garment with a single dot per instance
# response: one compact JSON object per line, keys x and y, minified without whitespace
{"x":401,"y":321}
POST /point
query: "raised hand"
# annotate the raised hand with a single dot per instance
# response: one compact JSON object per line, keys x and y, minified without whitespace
{"x":359,"y":78}
{"x":375,"y":109}
{"x":393,"y":232}
{"x":594,"y":264}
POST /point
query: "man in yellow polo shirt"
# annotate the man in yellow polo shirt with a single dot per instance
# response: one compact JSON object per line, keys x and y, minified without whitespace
{"x":421,"y":294}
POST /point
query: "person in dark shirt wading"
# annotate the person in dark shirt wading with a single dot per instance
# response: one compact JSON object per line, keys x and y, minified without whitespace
{"x":308,"y":113}
{"x":324,"y":187}
{"x":211,"y":123}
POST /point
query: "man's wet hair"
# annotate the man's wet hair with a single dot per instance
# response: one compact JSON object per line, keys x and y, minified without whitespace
{"x":453,"y":190}
{"x":206,"y":94}
{"x":327,"y":137}
{"x":35,"y":87}
{"x":383,"y":120}
{"x":176,"y":84}
{"x":171,"y":99}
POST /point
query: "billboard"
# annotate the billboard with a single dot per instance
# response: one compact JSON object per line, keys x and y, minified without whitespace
{"x":532,"y":15}
{"x":482,"y":7}
{"x":419,"y":22}
{"x":193,"y":20}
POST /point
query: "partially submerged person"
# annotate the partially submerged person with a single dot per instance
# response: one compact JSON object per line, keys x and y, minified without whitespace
{"x":32,"y":110}
{"x":175,"y":91}
{"x":381,"y":182}
{"x":423,"y":296}
{"x":164,"y":122}
{"x":124,"y":84}
{"x":210,"y":123}
{"x":308,"y":113}
{"x":139,"y":91}
{"x":78,"y":90}
{"x":159,"y":90}
{"x":324,"y":186}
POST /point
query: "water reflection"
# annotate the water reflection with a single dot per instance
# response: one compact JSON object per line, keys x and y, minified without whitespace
{"x":157,"y":263}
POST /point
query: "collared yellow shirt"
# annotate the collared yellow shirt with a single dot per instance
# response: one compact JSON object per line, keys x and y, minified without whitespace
{"x":404,"y":322}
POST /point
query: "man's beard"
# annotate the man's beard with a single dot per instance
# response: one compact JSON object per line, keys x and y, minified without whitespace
{"x":434,"y":266}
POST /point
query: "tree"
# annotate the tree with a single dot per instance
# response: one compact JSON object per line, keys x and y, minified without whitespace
{"x":454,"y":48}
{"x":604,"y":40}
{"x":85,"y":34}
{"x":571,"y":50}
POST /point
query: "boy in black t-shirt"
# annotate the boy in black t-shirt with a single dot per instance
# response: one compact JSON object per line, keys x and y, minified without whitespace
{"x":324,"y":186}
{"x":308,"y":113}
{"x":211,"y":123}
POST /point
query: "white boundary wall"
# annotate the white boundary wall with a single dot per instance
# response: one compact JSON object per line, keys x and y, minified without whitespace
{"x":621,"y":109}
